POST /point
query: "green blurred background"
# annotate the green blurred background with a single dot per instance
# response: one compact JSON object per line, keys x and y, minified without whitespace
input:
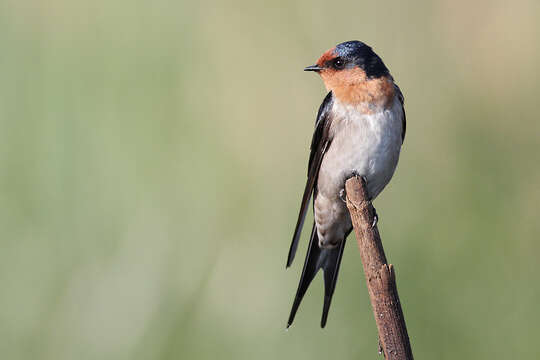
{"x":153,"y":155}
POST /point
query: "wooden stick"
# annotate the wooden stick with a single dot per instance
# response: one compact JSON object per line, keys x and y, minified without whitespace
{"x":380,"y":276}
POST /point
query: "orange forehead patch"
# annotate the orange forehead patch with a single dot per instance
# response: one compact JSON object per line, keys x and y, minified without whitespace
{"x":329,"y":55}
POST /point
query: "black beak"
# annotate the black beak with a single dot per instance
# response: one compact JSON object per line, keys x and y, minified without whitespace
{"x":316,"y":68}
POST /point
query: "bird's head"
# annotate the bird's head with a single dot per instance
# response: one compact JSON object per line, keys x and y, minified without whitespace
{"x":355,"y":74}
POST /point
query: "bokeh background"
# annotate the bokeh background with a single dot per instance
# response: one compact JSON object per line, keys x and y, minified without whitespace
{"x":153,"y":155}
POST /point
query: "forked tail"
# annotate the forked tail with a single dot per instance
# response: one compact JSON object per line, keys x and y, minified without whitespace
{"x":317,"y":258}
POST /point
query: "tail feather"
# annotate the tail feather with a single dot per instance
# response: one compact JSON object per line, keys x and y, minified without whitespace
{"x":331,"y":270}
{"x":317,"y":258}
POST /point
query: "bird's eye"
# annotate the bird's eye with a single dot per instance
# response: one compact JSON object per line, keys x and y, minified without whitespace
{"x":339,"y":64}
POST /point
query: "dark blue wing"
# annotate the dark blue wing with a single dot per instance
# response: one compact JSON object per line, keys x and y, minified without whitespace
{"x":404,"y":120}
{"x":319,"y":144}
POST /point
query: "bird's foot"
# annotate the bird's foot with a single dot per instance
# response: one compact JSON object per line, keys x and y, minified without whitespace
{"x":364,"y":181}
{"x":343,"y":195}
{"x":375,"y":217}
{"x":357,"y":175}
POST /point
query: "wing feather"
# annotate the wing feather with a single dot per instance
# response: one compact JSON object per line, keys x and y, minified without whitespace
{"x":319,"y":144}
{"x":404,"y":119}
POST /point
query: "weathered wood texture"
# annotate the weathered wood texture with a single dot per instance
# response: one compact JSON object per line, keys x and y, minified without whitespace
{"x":380,"y":277}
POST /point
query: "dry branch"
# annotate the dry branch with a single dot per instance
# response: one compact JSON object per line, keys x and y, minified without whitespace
{"x":380,"y":277}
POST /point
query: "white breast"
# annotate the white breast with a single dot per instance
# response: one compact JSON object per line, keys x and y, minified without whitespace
{"x":368,"y":144}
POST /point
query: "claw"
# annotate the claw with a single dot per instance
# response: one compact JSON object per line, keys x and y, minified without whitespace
{"x":343,"y":195}
{"x":375,"y":218}
{"x":357,"y":174}
{"x":364,"y":180}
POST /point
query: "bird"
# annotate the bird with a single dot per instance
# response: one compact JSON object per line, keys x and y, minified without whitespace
{"x":359,"y":131}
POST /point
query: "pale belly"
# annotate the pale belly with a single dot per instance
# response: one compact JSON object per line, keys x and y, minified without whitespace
{"x":368,"y":145}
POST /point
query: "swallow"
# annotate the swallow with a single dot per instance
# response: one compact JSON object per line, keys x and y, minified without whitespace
{"x":359,"y":131}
